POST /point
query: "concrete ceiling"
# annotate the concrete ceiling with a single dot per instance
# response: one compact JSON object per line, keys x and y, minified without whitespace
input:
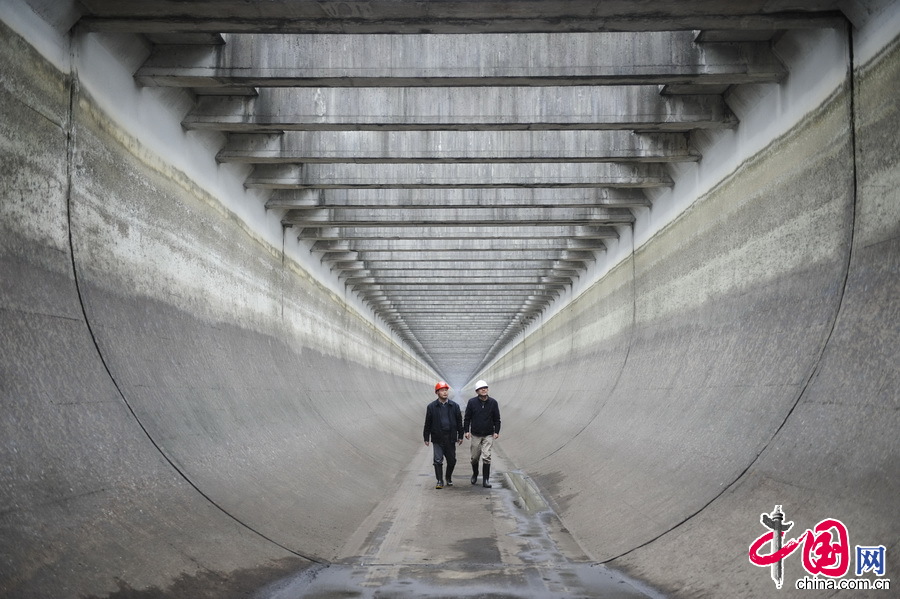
{"x":458,"y":164}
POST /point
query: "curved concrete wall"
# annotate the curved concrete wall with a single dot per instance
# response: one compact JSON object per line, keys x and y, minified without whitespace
{"x":745,"y":357}
{"x":183,"y":404}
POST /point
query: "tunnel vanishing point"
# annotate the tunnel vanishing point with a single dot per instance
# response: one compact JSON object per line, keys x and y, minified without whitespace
{"x":241,"y":240}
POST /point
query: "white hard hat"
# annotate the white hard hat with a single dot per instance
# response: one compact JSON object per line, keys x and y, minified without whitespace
{"x":480,"y":384}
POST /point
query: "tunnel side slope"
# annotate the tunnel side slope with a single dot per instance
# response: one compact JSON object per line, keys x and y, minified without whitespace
{"x":751,"y":361}
{"x":838,"y":453}
{"x":180,"y":401}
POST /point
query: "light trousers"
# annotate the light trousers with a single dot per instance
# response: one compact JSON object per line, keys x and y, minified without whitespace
{"x":481,"y":448}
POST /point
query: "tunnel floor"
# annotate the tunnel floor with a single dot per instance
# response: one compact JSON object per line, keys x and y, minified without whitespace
{"x":460,"y":541}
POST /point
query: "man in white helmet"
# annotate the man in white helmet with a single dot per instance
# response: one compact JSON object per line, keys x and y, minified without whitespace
{"x":482,"y":426}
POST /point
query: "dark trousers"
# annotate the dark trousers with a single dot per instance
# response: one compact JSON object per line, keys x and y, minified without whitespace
{"x":444,"y":447}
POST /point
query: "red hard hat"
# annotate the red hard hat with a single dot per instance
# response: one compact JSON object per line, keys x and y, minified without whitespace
{"x":441,"y":385}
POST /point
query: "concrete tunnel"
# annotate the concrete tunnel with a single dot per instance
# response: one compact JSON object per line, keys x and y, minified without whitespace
{"x":196,"y":404}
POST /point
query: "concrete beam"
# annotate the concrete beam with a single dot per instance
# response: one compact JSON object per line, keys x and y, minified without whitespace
{"x":459,"y":309}
{"x":459,"y":255}
{"x":439,"y":288}
{"x":406,"y":176}
{"x":332,"y":256}
{"x":399,"y":279}
{"x":457,"y":16}
{"x":494,"y":217}
{"x":186,"y":38}
{"x":462,"y":309}
{"x":470,"y":343}
{"x":412,"y":314}
{"x":295,"y":198}
{"x":440,"y":330}
{"x":509,"y":260}
{"x":388,"y":313}
{"x":435,"y":333}
{"x":498,"y":274}
{"x":433,"y":336}
{"x":519,"y":299}
{"x":476,"y":340}
{"x":638,"y":107}
{"x":457,"y":302}
{"x":496,"y":320}
{"x":528,"y":59}
{"x":455,"y":146}
{"x":461,"y":232}
{"x":458,"y":197}
{"x":468,"y":244}
{"x":432,"y":333}
{"x":345,"y":266}
{"x":523,"y":297}
{"x":480,"y":336}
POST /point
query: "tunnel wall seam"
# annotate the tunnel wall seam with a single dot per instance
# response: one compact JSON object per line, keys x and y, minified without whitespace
{"x":817,"y":364}
{"x":71,"y":141}
{"x":844,"y":256}
{"x":840,"y":383}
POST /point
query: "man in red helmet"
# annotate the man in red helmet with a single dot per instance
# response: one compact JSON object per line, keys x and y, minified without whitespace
{"x":444,"y":428}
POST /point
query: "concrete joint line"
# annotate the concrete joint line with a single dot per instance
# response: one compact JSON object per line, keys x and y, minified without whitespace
{"x":71,"y":143}
{"x":816,"y":366}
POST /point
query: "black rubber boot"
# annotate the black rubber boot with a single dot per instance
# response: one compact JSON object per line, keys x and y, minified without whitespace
{"x":439,"y":474}
{"x":485,"y":475}
{"x":450,"y":466}
{"x":474,"y":472}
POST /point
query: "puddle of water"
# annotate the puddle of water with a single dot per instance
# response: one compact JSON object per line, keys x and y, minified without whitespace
{"x":566,"y":581}
{"x":511,"y":546}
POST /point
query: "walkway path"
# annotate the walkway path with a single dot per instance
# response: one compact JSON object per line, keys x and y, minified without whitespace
{"x":462,"y":541}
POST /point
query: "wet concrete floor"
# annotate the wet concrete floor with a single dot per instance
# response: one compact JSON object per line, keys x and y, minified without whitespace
{"x":462,"y":541}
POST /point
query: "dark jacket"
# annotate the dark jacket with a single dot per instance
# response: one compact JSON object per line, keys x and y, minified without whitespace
{"x":482,"y":417}
{"x":432,"y":430}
